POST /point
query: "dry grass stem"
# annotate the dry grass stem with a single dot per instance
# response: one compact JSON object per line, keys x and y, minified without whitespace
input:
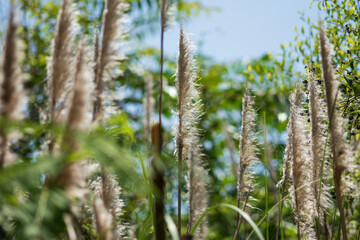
{"x":301,"y":170}
{"x":247,"y":153}
{"x":108,"y":55}
{"x":318,"y":130}
{"x":340,"y":151}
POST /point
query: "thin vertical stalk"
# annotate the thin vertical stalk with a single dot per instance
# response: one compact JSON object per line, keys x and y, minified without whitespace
{"x":280,"y":223}
{"x":159,"y":182}
{"x":266,"y":182}
{"x":339,"y":148}
{"x":159,"y":171}
{"x":161,"y":72}
{"x":180,"y":157}
{"x":244,"y":208}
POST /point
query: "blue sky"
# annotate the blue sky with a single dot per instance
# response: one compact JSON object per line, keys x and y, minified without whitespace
{"x":242,"y":28}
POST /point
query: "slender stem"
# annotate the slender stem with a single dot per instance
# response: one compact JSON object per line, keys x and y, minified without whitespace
{"x":159,"y":182}
{"x":191,"y":210}
{"x":241,"y":218}
{"x":179,"y":188}
{"x":266,"y":182}
{"x":161,"y":71}
{"x":279,"y":228}
{"x":159,"y":173}
{"x":279,"y":202}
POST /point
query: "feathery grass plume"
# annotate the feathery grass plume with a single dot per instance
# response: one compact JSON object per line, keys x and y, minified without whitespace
{"x":112,"y":32}
{"x":149,"y":104}
{"x":110,"y":192}
{"x":187,"y":136}
{"x":302,"y":193}
{"x":318,"y":119}
{"x":189,"y":108}
{"x":339,"y":148}
{"x":248,"y":154}
{"x":287,"y":171}
{"x":165,"y":15}
{"x":11,"y":88}
{"x":60,"y":68}
{"x":108,"y":189}
{"x":75,"y":174}
{"x":103,"y":220}
{"x":198,"y":196}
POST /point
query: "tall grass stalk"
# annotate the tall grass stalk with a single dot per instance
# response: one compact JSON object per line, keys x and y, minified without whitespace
{"x":74,"y":174}
{"x":303,"y":199}
{"x":248,"y":153}
{"x":338,"y":145}
{"x":187,"y":135}
{"x":158,"y":179}
{"x":11,"y":90}
{"x":60,"y":69}
{"x":157,"y":129}
{"x":108,"y":51}
{"x":318,"y":143}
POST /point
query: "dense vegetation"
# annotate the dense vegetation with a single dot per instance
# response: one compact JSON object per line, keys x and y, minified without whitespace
{"x":101,"y":143}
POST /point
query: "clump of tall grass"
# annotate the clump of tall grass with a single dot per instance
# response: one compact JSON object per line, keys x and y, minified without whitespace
{"x":73,"y":103}
{"x":62,"y":78}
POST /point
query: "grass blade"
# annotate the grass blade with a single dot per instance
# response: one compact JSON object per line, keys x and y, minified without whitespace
{"x":172,"y":228}
{"x":238,"y":210}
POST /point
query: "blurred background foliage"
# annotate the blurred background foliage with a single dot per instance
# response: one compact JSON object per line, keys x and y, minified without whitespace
{"x":271,"y":78}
